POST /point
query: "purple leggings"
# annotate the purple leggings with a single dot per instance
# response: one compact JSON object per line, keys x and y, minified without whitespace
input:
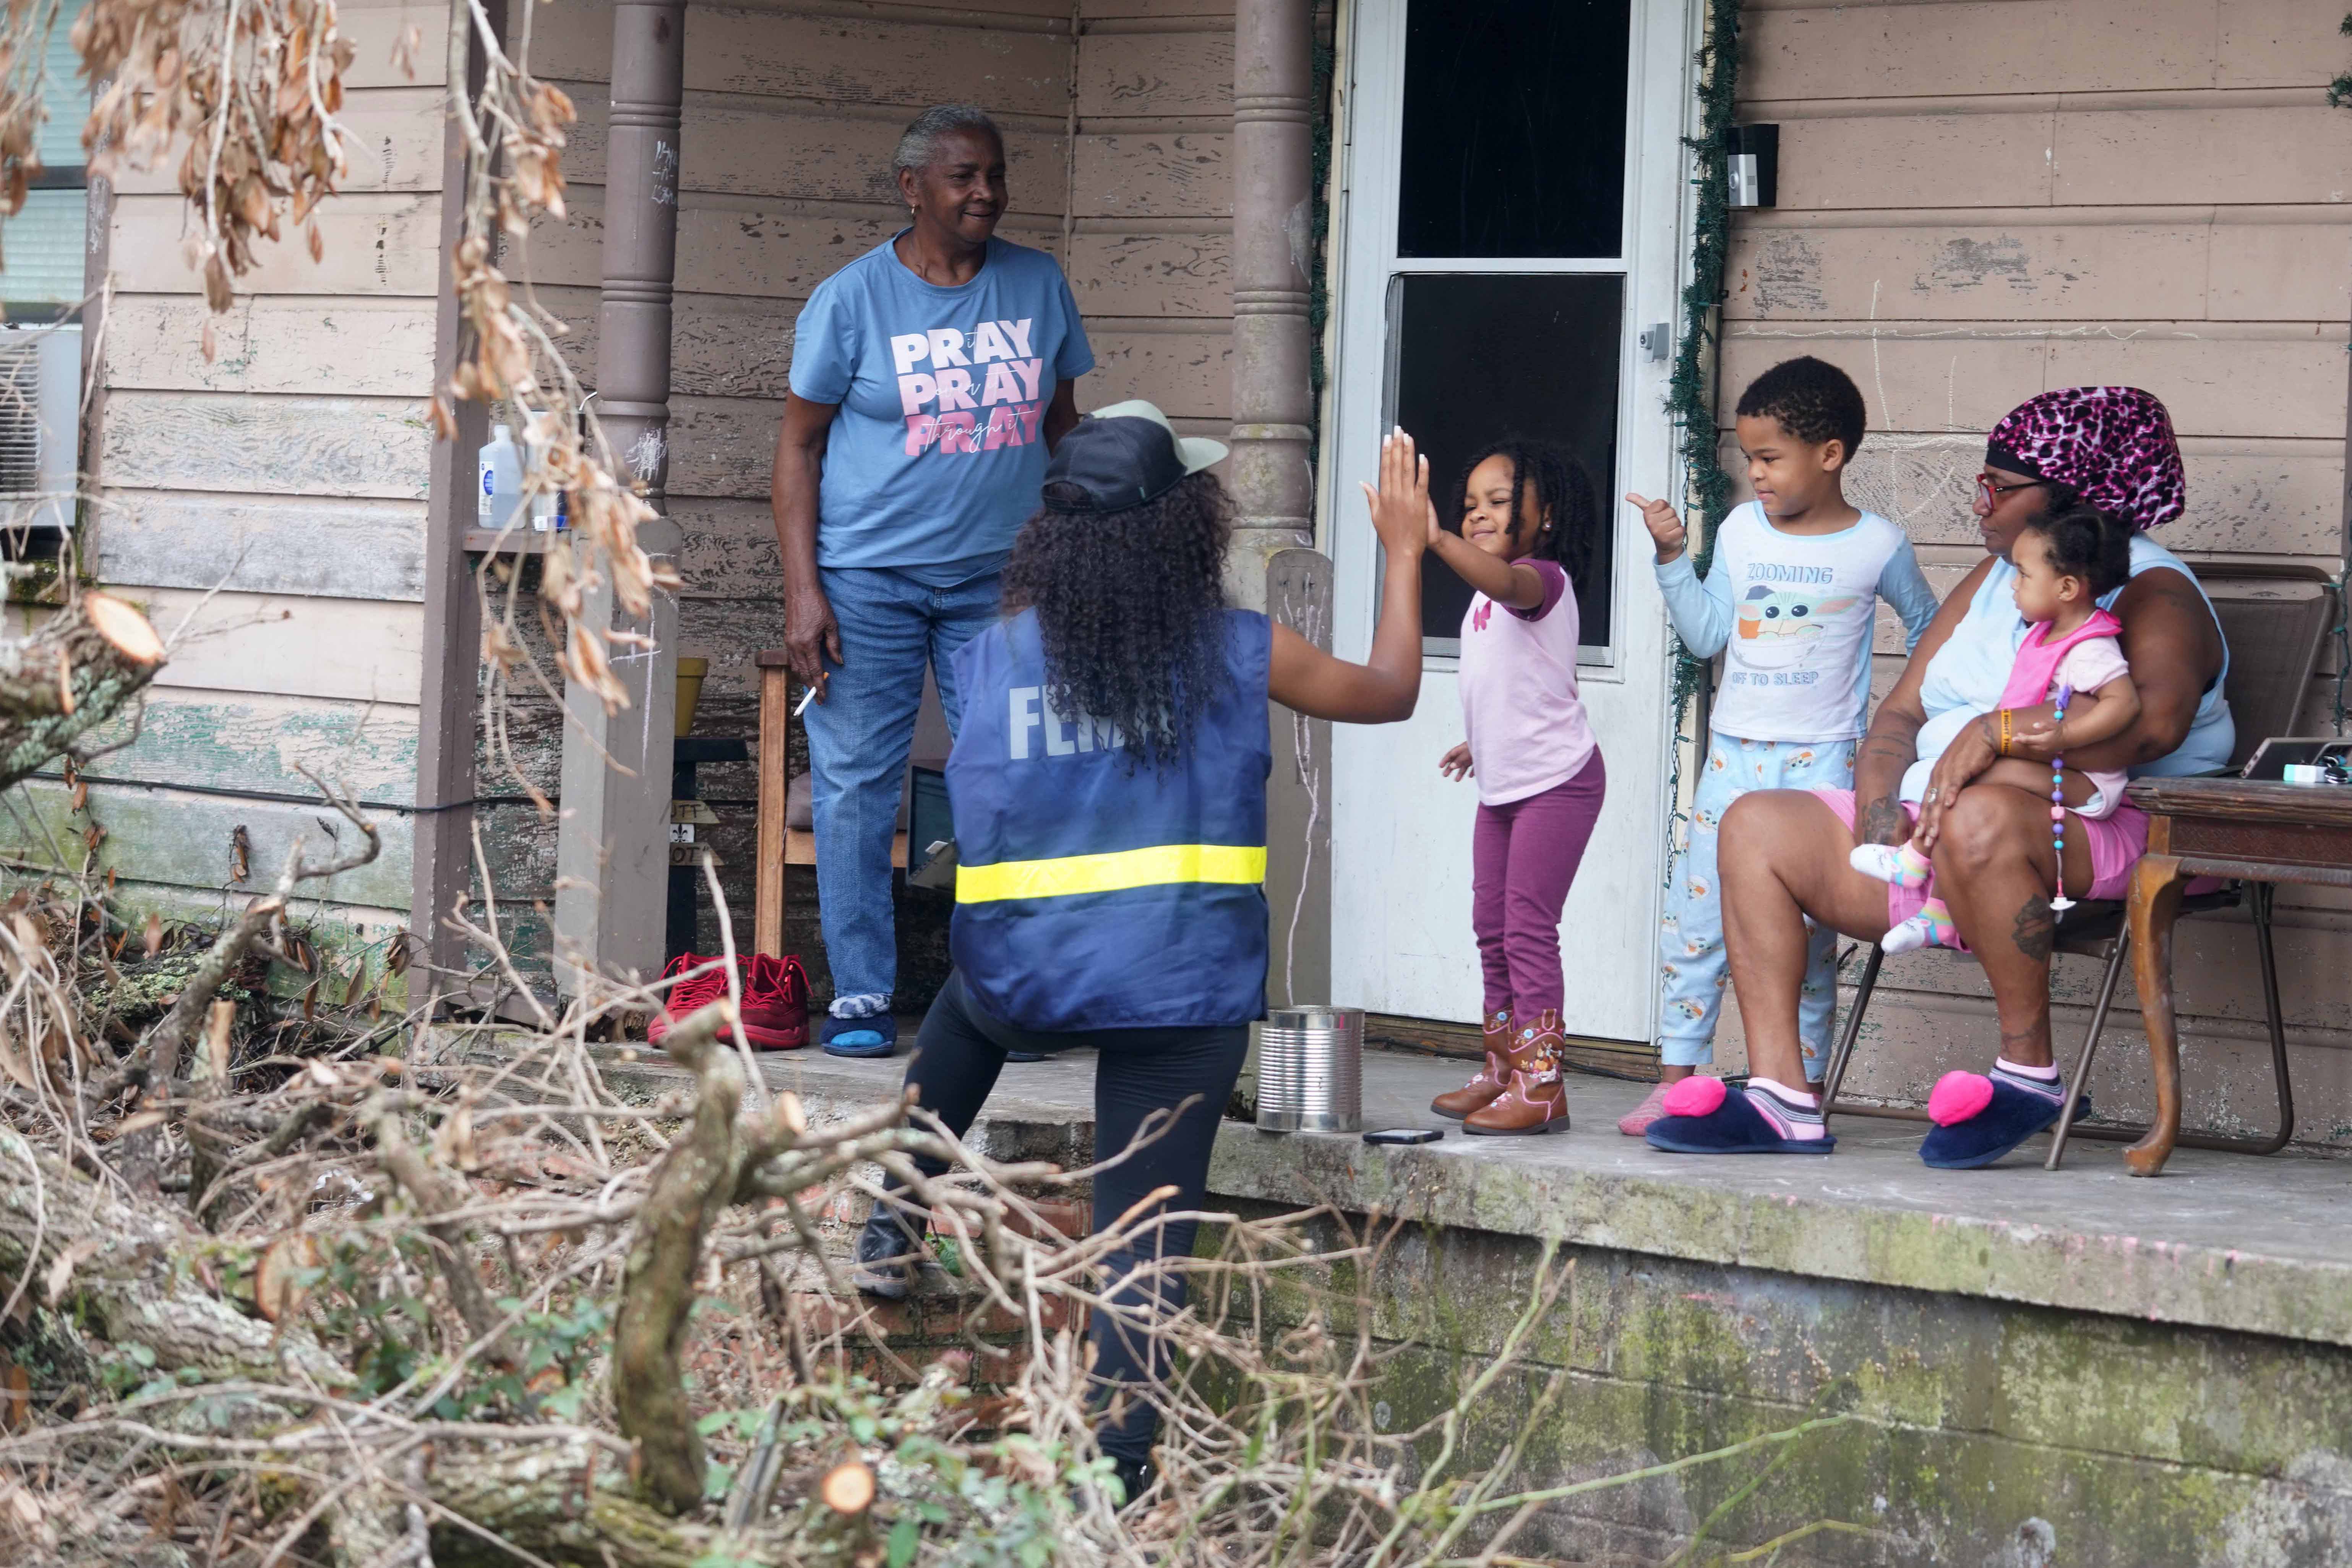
{"x":1522,"y":855}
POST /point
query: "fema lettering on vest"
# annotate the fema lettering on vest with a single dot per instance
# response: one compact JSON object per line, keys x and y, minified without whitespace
{"x":1029,"y":712}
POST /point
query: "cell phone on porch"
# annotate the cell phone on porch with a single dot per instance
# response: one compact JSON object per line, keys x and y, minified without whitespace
{"x":1403,"y":1135}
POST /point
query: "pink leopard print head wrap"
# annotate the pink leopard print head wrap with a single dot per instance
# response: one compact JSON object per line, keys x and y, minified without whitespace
{"x":2113,"y":443}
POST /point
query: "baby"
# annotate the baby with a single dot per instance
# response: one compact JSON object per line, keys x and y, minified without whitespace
{"x":2066,"y":563}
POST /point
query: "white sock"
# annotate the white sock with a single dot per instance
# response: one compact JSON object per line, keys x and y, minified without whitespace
{"x":1880,"y":860}
{"x":1909,"y":937}
{"x":2038,"y":1080}
{"x":1793,"y":1113}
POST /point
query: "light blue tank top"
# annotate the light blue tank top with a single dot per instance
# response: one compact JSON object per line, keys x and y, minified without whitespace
{"x":1968,"y":672}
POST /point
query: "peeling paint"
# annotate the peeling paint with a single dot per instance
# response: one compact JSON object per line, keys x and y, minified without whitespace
{"x":1787,"y":276}
{"x":1965,"y":263}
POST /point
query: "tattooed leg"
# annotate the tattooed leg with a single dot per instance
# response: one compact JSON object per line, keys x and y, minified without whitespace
{"x":1882,"y":822}
{"x":2035,"y":931}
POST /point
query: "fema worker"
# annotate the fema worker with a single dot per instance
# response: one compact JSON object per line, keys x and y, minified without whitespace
{"x":1108,"y":790}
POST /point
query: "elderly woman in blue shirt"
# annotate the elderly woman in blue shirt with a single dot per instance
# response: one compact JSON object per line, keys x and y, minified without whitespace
{"x":929,"y":378}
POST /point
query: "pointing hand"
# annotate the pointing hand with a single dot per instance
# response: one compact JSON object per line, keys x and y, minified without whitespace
{"x":1666,"y":528}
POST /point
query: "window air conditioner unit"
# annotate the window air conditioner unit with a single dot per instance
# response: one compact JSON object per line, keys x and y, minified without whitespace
{"x":40,"y":425}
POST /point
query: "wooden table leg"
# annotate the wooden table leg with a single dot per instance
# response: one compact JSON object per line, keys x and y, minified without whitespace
{"x":2157,"y":885}
{"x":768,"y":874}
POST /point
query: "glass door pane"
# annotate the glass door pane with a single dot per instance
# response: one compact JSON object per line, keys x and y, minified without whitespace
{"x":1514,"y":129}
{"x":1482,"y":356}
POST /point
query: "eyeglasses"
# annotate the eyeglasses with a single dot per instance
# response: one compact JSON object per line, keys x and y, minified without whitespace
{"x":1991,"y":493}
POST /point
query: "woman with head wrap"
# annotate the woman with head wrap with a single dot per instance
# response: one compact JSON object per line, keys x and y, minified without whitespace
{"x":1786,"y":853}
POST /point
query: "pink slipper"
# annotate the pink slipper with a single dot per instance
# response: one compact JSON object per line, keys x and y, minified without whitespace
{"x":1636,"y":1122}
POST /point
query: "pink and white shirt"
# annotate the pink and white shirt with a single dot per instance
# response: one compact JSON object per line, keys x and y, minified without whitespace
{"x":1521,"y":709}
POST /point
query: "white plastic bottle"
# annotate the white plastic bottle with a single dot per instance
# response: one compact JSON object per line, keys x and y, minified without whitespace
{"x":501,"y":476}
{"x":546,"y":511}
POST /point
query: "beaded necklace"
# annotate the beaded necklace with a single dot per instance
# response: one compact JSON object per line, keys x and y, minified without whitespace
{"x":2060,"y":904}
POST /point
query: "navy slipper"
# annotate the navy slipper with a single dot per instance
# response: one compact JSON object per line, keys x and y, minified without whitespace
{"x":1705,"y":1117}
{"x":1980,"y":1119}
{"x":874,"y":1036}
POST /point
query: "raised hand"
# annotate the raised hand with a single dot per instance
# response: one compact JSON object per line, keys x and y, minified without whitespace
{"x":1403,"y":514}
{"x":1667,"y":529}
{"x":1455,"y":763}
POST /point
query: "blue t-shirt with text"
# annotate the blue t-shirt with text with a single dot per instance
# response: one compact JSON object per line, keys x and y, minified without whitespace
{"x":938,"y":453}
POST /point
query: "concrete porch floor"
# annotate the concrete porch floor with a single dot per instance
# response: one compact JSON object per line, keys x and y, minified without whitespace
{"x":2221,"y":1241}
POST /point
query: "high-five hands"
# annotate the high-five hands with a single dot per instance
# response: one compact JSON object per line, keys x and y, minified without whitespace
{"x":1667,"y":529}
{"x":1403,"y":514}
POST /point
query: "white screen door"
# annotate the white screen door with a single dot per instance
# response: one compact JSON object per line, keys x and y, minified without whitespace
{"x":1512,"y":220}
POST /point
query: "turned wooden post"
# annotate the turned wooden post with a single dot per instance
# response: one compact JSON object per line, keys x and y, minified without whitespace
{"x":612,"y":858}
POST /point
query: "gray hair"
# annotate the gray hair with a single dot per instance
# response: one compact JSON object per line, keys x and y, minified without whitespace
{"x":921,"y":144}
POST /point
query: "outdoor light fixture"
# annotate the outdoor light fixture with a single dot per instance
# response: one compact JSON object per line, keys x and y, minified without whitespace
{"x":1754,"y":151}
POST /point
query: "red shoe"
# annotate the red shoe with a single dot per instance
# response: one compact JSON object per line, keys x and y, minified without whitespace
{"x":775,"y":1003}
{"x":688,"y":996}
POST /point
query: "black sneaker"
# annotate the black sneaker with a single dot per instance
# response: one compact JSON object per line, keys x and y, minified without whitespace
{"x":888,"y":1256}
{"x":1135,"y":1476}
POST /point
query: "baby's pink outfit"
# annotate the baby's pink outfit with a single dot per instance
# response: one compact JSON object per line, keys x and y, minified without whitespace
{"x":2082,"y":660}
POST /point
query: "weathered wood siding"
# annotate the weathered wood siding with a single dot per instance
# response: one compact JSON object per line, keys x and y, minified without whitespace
{"x":1150,"y":256}
{"x":1979,"y":202}
{"x":273,"y":499}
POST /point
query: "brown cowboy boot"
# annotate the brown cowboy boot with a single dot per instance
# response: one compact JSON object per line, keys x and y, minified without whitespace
{"x":1493,"y":1078}
{"x":1536,"y":1101}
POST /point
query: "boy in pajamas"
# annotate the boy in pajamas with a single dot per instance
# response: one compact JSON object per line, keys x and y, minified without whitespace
{"x":1789,"y":600}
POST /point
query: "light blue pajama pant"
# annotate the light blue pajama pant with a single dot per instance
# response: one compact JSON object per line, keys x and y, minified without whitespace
{"x":1690,"y":939}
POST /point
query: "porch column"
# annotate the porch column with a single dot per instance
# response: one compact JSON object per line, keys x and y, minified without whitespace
{"x":613,"y":848}
{"x":1272,"y":484}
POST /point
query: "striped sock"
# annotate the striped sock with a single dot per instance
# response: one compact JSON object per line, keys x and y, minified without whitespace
{"x":2033,"y":1080}
{"x":1793,"y":1115}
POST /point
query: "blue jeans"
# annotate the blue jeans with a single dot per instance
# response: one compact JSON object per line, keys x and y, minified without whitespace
{"x":859,"y":737}
{"x":1690,"y":946}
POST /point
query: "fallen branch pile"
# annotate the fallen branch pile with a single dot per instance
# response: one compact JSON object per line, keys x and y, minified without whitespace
{"x":344,"y":1286}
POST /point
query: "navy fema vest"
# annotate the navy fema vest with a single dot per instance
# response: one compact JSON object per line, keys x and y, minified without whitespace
{"x":1093,"y":894}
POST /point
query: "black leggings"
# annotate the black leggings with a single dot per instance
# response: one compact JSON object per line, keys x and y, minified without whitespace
{"x":957,"y":1057}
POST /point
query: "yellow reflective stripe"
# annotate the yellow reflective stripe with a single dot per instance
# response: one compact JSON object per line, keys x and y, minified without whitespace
{"x":1156,"y":867}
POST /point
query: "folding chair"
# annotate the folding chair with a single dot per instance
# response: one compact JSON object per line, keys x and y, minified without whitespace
{"x":2274,"y":620}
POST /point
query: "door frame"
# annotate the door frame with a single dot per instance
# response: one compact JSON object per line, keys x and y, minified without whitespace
{"x":1661,"y":109}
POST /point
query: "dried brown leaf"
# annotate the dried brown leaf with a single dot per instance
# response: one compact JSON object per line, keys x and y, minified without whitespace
{"x":62,"y":1272}
{"x":453,"y":1140}
{"x":276,"y":1294}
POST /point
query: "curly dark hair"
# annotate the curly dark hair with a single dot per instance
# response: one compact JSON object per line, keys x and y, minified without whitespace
{"x":2086,"y":542}
{"x":1813,"y":400}
{"x":1562,"y":488}
{"x":1131,"y":609}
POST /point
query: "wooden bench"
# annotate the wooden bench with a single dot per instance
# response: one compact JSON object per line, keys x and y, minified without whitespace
{"x":781,"y":844}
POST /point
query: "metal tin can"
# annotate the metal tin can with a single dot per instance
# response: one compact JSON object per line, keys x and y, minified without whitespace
{"x":1310,"y":1070}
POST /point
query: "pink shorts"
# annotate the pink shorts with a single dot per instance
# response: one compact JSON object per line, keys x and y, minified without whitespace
{"x":2116,"y":844}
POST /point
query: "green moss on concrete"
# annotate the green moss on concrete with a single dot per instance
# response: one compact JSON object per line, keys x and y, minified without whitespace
{"x":2136,"y":1443}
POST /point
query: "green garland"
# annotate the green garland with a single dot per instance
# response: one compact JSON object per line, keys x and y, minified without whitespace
{"x":2339,"y":95}
{"x":1690,"y":392}
{"x":1319,"y":178}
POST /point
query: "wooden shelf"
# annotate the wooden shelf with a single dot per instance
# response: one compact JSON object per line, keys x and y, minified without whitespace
{"x":516,"y":541}
{"x":800,"y":848}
